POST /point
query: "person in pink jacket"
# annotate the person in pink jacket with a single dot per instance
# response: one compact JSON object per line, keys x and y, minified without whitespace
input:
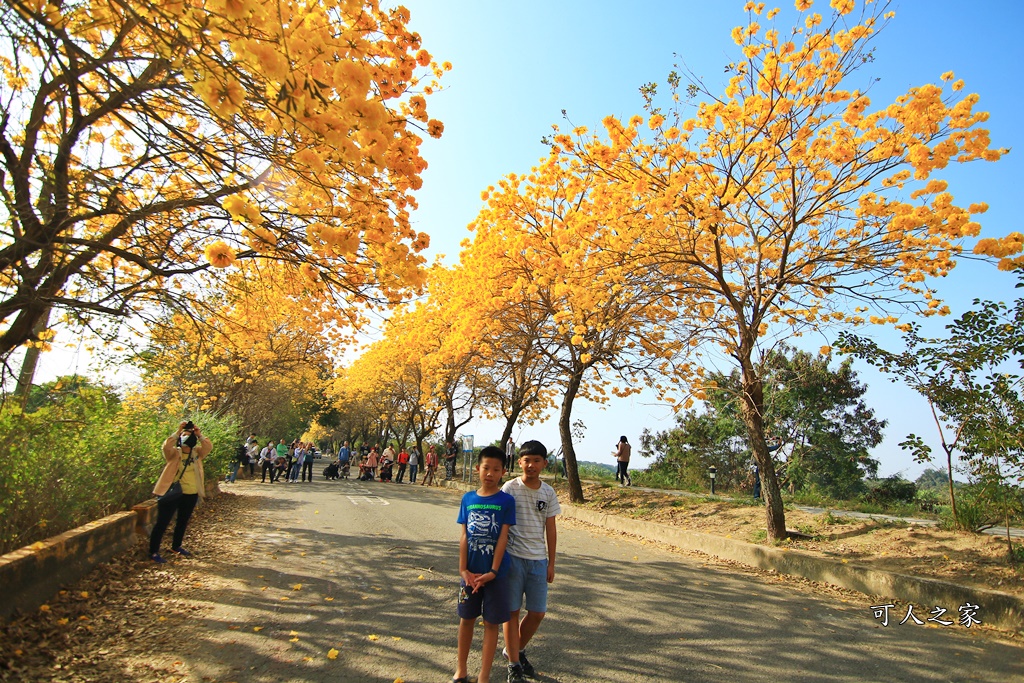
{"x":184,"y":451}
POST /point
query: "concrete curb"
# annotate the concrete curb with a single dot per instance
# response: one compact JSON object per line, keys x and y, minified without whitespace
{"x":997,"y":609}
{"x":33,"y":574}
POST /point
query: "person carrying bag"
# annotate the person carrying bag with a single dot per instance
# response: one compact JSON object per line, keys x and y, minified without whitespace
{"x":179,"y":487}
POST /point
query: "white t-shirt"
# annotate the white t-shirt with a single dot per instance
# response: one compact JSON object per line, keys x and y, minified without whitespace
{"x":533,"y":508}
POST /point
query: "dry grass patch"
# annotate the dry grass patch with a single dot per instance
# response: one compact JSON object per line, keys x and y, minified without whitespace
{"x":977,"y":560}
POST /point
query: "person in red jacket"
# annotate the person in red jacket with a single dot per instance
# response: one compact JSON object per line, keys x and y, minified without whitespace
{"x":403,"y":462}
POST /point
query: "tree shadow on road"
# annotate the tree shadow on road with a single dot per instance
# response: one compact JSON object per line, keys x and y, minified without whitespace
{"x":619,"y":610}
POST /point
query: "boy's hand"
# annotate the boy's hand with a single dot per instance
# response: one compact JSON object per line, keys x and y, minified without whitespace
{"x":472,"y":580}
{"x":551,"y":572}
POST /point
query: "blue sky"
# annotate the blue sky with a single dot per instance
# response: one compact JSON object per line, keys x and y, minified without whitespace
{"x":518,"y":65}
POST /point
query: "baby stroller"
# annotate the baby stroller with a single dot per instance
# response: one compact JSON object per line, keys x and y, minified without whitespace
{"x":331,"y":471}
{"x":385,"y":470}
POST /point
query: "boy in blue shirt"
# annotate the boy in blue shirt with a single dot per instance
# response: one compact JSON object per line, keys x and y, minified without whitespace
{"x":485,"y":515}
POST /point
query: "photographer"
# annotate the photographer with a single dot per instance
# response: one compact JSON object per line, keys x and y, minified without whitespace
{"x":179,"y":487}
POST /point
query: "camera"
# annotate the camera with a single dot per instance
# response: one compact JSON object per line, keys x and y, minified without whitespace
{"x":188,"y":427}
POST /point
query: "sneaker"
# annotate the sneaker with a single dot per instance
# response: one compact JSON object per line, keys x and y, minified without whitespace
{"x":182,"y":552}
{"x":528,"y":669}
{"x":156,"y":558}
{"x":515,"y":673}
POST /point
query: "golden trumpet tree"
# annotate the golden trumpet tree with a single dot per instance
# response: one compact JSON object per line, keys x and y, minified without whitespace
{"x":792,"y":200}
{"x":454,"y":373}
{"x":391,"y":380}
{"x":560,"y":240}
{"x":253,"y":348}
{"x":499,"y":336}
{"x":143,"y":142}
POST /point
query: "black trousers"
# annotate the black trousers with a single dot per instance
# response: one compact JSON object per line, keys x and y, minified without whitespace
{"x":621,"y":475}
{"x":401,"y":472}
{"x":183,"y":506}
{"x":307,"y":466}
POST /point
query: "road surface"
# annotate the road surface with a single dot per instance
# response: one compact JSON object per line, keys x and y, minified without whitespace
{"x":369,"y":569}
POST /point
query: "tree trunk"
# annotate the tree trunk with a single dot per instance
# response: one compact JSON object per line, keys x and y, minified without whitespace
{"x":450,"y":428}
{"x":753,"y":418}
{"x":510,"y":423}
{"x":28,"y":366}
{"x":949,"y":476}
{"x":572,"y":472}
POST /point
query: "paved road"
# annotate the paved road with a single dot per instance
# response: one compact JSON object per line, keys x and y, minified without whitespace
{"x":375,"y":565}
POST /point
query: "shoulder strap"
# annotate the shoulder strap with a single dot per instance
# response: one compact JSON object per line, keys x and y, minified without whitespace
{"x":183,"y":469}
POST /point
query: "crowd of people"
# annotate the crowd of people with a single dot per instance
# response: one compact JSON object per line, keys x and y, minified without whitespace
{"x":292,"y":462}
{"x":375,"y":464}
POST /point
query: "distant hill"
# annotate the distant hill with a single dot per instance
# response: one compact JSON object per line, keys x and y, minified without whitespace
{"x":599,"y":465}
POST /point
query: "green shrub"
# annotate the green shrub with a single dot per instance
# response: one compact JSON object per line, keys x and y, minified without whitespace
{"x":894,"y":489}
{"x":81,"y":456}
{"x":929,"y":499}
{"x":975,"y":511}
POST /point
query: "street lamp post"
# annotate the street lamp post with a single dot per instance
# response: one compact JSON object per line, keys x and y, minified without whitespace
{"x":712,"y":471}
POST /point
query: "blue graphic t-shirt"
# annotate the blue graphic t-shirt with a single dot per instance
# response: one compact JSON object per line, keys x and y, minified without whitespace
{"x":484,"y":517}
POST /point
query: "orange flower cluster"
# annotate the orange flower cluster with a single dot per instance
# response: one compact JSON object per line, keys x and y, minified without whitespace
{"x":287,"y":131}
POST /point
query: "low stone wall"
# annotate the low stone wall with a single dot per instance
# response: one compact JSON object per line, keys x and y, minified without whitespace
{"x":32,"y":575}
{"x":998,"y":609}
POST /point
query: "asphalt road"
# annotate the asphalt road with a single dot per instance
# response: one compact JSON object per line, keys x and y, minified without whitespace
{"x":369,"y":569}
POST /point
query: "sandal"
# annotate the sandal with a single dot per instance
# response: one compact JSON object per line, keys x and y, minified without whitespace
{"x":464,"y":679}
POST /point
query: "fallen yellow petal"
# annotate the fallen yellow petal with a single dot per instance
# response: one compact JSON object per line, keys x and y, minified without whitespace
{"x":372,"y":637}
{"x":265,"y":588}
{"x":62,"y":621}
{"x":293,"y":633}
{"x":297,"y":587}
{"x":44,"y":608}
{"x":396,"y":637}
{"x":329,"y":599}
{"x":332,"y":654}
{"x":420,"y":577}
{"x":257,"y":629}
{"x":286,"y":598}
{"x":294,"y":640}
{"x":84,"y":594}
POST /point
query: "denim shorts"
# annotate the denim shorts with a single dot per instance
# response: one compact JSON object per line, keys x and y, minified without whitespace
{"x":529,"y":577}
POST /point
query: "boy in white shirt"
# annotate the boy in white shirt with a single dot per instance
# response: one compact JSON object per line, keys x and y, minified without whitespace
{"x":531,"y":551}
